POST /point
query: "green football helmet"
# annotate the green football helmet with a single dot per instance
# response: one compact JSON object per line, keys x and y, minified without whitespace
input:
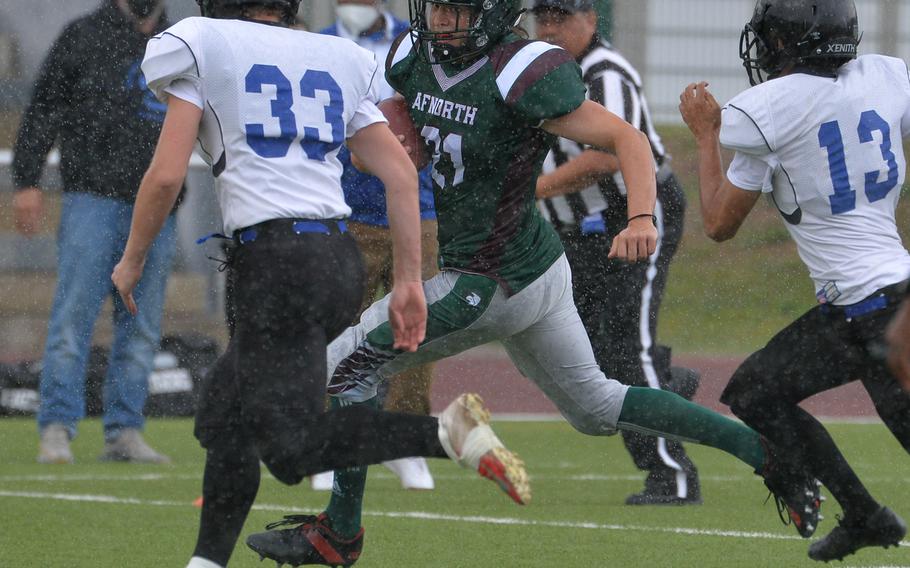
{"x":491,"y":20}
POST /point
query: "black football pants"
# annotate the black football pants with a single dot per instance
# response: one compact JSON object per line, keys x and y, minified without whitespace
{"x":292,"y":295}
{"x":821,"y":350}
{"x":265,"y":397}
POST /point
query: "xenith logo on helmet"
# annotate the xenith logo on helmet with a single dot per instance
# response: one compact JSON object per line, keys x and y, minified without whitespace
{"x":845,"y":48}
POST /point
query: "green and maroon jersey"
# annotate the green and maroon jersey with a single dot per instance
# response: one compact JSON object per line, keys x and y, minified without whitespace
{"x":481,"y":122}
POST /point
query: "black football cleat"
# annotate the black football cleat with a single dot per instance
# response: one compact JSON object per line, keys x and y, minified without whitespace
{"x":312,"y":541}
{"x":796,"y":493}
{"x":884,"y":528}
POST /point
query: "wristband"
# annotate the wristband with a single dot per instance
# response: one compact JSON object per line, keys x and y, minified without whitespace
{"x":651,"y":215}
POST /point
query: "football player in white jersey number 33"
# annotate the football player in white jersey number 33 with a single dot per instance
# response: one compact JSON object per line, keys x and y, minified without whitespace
{"x":270,"y":108}
{"x":824,"y":138}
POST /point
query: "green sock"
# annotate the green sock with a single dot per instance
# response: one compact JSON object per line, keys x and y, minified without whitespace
{"x":346,"y":504}
{"x":665,"y":414}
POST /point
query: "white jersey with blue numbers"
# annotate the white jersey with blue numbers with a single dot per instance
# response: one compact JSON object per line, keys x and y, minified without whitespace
{"x":278,"y":104}
{"x":830,"y":153}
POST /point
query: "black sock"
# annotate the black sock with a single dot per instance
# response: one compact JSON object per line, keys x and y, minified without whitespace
{"x":229,"y":487}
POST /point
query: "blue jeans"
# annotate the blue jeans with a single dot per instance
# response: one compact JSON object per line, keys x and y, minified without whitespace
{"x":90,"y":241}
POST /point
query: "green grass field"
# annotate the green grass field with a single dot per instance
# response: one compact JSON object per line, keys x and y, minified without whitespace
{"x":94,"y":515}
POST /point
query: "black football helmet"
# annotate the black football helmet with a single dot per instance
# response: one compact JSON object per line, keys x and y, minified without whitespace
{"x":215,"y":8}
{"x":491,"y":21}
{"x":819,"y":35}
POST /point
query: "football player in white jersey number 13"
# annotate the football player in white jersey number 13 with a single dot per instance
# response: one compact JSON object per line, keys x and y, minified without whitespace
{"x":822,"y":136}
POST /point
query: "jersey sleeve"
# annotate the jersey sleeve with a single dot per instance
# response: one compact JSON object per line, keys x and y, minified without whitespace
{"x":903,"y":79}
{"x":744,"y":126}
{"x":751,"y":173}
{"x":367,"y":113}
{"x":397,"y":62}
{"x":541,"y":81}
{"x":905,"y":119}
{"x":743,"y":130}
{"x":171,"y":58}
{"x":186,"y":90}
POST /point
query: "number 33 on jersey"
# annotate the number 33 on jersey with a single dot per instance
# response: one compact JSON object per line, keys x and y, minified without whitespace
{"x":294,"y":108}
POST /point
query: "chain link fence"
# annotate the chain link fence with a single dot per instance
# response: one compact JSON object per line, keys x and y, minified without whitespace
{"x":674,"y":43}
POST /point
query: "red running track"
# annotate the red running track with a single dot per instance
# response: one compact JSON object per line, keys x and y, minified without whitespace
{"x":489,"y":372}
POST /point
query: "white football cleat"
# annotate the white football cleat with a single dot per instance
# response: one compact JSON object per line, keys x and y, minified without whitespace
{"x":466,"y":436}
{"x":322,"y":481}
{"x":413,"y":473}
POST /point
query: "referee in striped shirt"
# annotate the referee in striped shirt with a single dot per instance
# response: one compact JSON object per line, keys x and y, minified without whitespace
{"x":583,"y":195}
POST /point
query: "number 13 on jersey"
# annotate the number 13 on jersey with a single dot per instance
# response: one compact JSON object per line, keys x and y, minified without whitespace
{"x":830,"y":138}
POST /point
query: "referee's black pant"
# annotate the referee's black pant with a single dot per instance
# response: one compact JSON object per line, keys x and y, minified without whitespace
{"x":618,"y":303}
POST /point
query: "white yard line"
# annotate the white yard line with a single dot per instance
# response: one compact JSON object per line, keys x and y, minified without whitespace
{"x":422,"y":515}
{"x":554,"y":417}
{"x":381,"y":473}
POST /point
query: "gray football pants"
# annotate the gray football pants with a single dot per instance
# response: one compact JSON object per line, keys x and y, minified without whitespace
{"x":539,"y":328}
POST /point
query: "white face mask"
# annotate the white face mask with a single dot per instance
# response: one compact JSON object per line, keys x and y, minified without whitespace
{"x":357,"y":18}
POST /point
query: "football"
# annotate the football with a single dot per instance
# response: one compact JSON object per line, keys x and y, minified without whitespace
{"x":396,"y":112}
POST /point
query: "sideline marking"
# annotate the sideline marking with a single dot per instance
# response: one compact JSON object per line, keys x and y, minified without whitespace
{"x":422,"y":515}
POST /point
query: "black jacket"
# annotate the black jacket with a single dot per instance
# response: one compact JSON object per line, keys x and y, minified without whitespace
{"x":91,"y":94}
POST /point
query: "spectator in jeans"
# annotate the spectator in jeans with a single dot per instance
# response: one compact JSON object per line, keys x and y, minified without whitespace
{"x":92,"y":97}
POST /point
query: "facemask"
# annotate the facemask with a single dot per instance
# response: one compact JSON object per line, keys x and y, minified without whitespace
{"x":142,"y":8}
{"x":357,"y":18}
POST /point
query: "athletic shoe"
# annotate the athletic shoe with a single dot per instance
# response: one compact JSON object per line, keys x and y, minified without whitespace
{"x":796,"y":493}
{"x":312,"y":541}
{"x":413,"y":473}
{"x":684,"y":382}
{"x":129,"y":446}
{"x":660,"y":489}
{"x":883,"y":528}
{"x":55,"y":445}
{"x":322,"y":481}
{"x":466,"y":436}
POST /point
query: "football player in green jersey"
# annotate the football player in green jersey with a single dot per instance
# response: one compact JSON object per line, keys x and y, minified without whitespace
{"x":489,"y":105}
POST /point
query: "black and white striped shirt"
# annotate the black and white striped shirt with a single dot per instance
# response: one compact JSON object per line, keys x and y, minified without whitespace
{"x":615,"y":84}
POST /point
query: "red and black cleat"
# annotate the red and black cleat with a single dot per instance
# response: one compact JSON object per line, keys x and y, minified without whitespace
{"x":312,"y":541}
{"x":796,"y":493}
